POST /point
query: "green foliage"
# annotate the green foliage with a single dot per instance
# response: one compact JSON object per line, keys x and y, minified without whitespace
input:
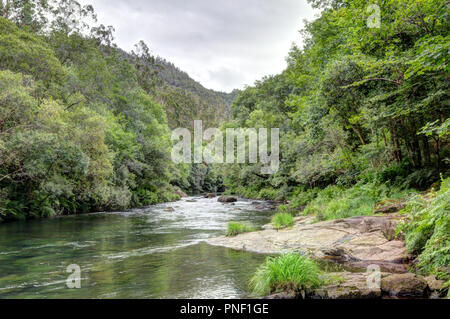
{"x":282,"y":220}
{"x":286,"y":272}
{"x":24,"y":52}
{"x":77,"y":132}
{"x":427,"y":231}
{"x":186,"y":99}
{"x":235,"y":228}
{"x":268,"y":193}
{"x":336,"y":202}
{"x":354,"y":106}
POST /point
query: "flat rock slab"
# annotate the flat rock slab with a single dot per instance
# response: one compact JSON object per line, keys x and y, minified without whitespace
{"x":357,"y":239}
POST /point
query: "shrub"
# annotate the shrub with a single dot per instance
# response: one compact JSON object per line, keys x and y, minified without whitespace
{"x":301,"y":198}
{"x":286,"y":272}
{"x":267,"y":193}
{"x":428,"y":231}
{"x":235,"y":228}
{"x":282,"y":220}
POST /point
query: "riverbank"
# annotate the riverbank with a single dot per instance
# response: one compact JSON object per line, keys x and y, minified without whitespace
{"x":360,"y":243}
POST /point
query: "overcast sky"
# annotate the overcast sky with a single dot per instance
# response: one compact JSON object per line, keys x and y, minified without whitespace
{"x":223,"y":44}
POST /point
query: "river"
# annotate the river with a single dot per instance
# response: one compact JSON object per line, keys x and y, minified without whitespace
{"x":156,"y":252}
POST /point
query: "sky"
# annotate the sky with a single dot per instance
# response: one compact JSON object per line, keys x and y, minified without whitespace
{"x":223,"y":44}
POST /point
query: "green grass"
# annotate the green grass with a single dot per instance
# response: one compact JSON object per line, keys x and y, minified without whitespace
{"x":282,"y":220}
{"x":235,"y":228}
{"x":286,"y":272}
{"x":336,"y":202}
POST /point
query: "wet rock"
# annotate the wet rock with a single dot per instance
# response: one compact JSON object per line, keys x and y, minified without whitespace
{"x":191,"y":201}
{"x":169,"y":209}
{"x":404,"y":285}
{"x":210,"y":195}
{"x":227,"y":199}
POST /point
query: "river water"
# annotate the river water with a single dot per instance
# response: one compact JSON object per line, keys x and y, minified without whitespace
{"x":156,"y":252}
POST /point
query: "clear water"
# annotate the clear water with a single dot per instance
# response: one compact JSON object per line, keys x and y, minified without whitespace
{"x":143,"y":253}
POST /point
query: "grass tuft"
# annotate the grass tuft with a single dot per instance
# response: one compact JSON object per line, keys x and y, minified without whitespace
{"x":286,"y":272}
{"x":282,"y":220}
{"x":235,"y":228}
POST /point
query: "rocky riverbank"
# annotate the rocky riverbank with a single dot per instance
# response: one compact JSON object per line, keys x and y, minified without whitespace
{"x":356,"y":242}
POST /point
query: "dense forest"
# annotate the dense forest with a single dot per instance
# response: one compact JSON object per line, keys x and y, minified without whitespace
{"x":356,"y":104}
{"x":84,"y":126}
{"x":363,"y":114}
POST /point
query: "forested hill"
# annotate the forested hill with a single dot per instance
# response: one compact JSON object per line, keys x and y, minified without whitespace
{"x":173,"y":76}
{"x":197,"y":101}
{"x":183,"y":98}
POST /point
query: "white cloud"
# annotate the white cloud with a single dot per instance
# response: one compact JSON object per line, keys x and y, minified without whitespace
{"x":222,"y":44}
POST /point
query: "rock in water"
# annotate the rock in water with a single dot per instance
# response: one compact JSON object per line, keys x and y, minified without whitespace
{"x":227,"y":199}
{"x":210,"y":195}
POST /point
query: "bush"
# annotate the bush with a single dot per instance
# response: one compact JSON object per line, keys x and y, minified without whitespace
{"x":235,"y":228}
{"x":286,"y":272}
{"x":267,"y":193}
{"x":428,"y":231}
{"x":282,"y":220}
{"x":301,"y":197}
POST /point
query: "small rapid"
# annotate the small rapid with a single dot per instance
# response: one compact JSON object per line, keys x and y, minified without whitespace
{"x":154,"y":252}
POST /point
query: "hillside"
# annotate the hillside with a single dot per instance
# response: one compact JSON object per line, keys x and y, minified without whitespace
{"x":185,"y":97}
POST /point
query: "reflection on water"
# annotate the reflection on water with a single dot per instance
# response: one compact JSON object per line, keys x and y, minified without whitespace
{"x":143,"y":253}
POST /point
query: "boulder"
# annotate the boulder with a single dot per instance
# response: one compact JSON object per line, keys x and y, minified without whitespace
{"x":433,"y":283}
{"x":227,"y":199}
{"x":404,"y":285}
{"x":169,"y":209}
{"x":180,"y":193}
{"x":210,"y":195}
{"x":388,"y":207}
{"x":351,"y":286}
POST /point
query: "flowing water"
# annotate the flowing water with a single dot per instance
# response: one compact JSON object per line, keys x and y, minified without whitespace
{"x":157,"y":252}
